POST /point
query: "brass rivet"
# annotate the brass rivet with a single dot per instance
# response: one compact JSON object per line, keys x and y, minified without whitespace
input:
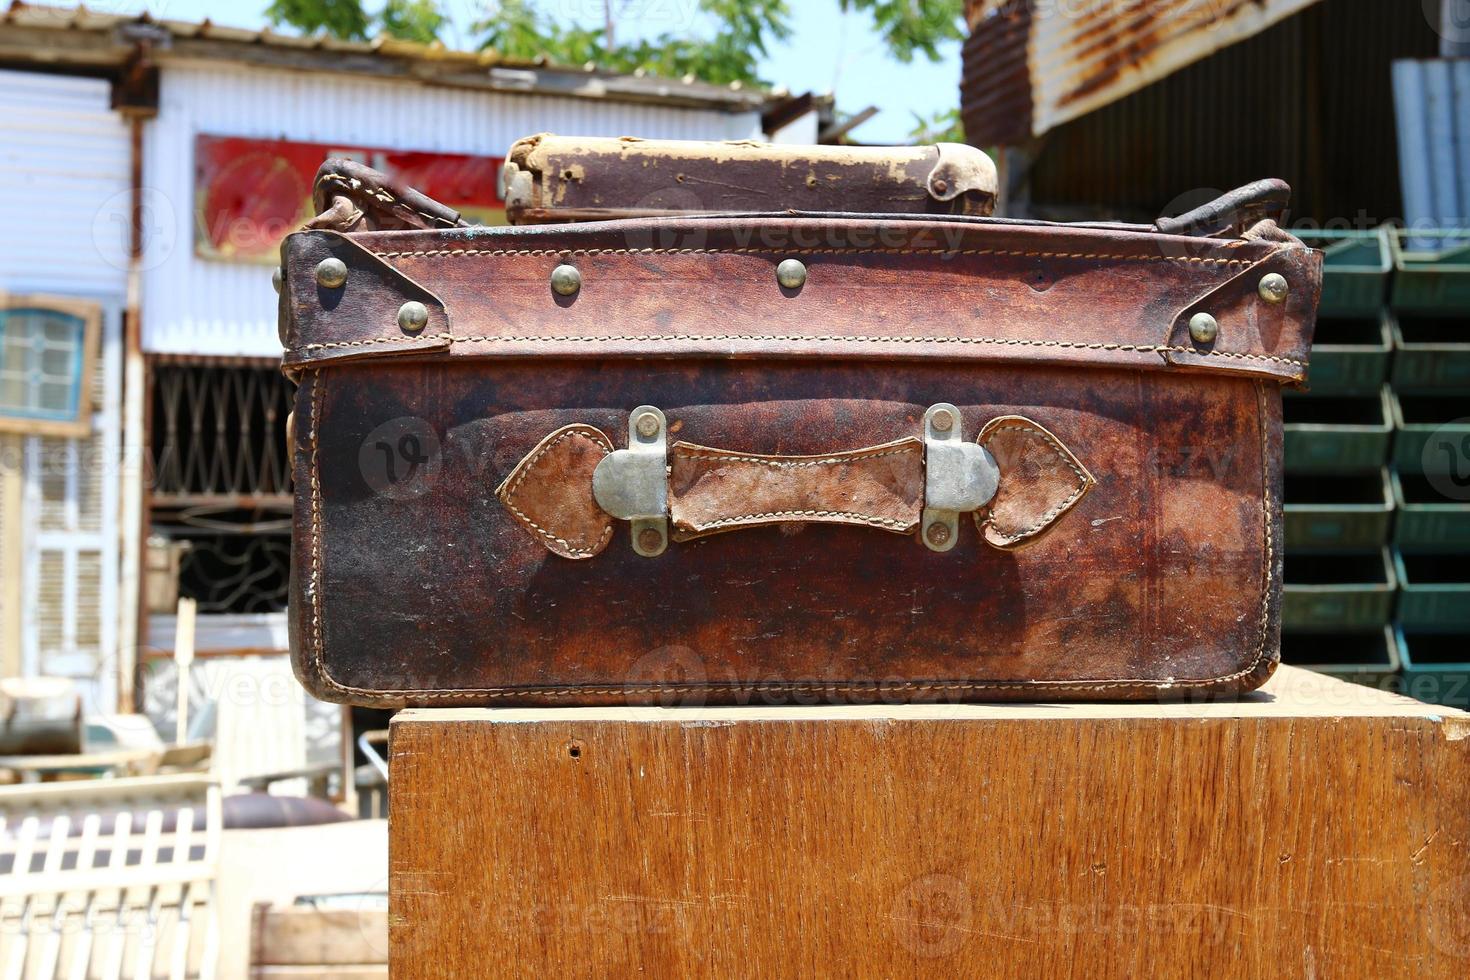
{"x":647,"y":425}
{"x":413,"y":316}
{"x":276,"y":279}
{"x":1273,"y":287}
{"x":566,"y":280}
{"x":791,"y":274}
{"x":331,"y":273}
{"x":941,"y":185}
{"x":942,"y":421}
{"x":937,"y":533}
{"x":649,"y":539}
{"x":1203,"y":328}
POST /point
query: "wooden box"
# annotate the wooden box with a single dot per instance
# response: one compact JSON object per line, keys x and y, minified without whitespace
{"x":1314,"y":829}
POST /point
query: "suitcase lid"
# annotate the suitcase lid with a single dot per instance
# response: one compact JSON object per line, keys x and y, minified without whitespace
{"x":1222,"y":289}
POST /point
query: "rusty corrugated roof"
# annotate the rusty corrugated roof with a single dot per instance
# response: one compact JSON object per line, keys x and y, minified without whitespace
{"x":1030,"y":65}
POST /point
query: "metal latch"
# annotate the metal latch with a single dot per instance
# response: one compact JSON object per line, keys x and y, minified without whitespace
{"x":959,"y":477}
{"x":632,"y":484}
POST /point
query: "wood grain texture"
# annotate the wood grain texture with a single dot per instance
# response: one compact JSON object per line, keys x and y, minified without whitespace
{"x":1316,"y":829}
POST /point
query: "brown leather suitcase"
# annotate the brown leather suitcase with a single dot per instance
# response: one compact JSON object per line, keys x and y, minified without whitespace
{"x":787,"y":458}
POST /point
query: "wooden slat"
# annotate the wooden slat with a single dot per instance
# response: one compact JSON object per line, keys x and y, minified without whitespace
{"x":363,"y":972}
{"x":147,"y":939}
{"x":81,"y":953}
{"x":117,"y":936}
{"x":18,"y":913}
{"x":183,"y":840}
{"x":1316,"y":830}
{"x":55,"y":850}
{"x":95,"y":794}
{"x":128,"y":879}
{"x":183,"y":659}
{"x":302,"y":936}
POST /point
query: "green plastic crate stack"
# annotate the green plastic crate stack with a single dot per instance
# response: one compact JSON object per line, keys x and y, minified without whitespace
{"x":1336,"y":593}
{"x":1340,"y":578}
{"x":1351,"y":349}
{"x":1368,"y":657}
{"x":1431,"y":269}
{"x":1430,"y":478}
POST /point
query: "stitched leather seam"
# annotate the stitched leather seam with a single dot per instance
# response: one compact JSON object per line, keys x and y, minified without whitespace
{"x":546,"y":535}
{"x":778,"y":463}
{"x":1014,"y":253}
{"x":1045,"y":519}
{"x":540,"y":531}
{"x":798,"y":514}
{"x":1268,"y":568}
{"x":316,"y":522}
{"x":1010,"y":342}
{"x":396,"y":697}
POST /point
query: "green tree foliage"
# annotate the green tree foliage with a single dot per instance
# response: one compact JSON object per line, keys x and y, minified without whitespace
{"x":412,"y":20}
{"x":942,"y":127}
{"x":736,"y":37}
{"x":517,"y":29}
{"x":340,"y":18}
{"x":740,"y":32}
{"x":913,"y":27}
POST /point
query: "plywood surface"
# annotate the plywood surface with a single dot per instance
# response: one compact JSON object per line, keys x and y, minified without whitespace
{"x":1320,"y":831}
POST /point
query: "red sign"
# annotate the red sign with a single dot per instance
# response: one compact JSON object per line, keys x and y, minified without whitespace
{"x":249,"y":194}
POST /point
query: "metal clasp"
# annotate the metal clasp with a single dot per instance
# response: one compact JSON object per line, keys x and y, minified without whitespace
{"x":632,"y":484}
{"x":959,"y":477}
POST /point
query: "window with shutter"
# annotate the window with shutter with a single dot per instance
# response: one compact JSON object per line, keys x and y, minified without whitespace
{"x":47,"y":346}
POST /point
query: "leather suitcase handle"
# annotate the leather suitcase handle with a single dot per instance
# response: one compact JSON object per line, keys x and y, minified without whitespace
{"x":1016,"y":480}
{"x":553,"y":179}
{"x":349,"y":196}
{"x":1232,"y":213}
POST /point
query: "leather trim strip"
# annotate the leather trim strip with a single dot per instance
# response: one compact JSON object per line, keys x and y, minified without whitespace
{"x":986,"y":292}
{"x":549,"y":493}
{"x":358,"y":312}
{"x":1045,"y":481}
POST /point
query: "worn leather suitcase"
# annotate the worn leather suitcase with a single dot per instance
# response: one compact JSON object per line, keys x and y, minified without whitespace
{"x":787,"y":458}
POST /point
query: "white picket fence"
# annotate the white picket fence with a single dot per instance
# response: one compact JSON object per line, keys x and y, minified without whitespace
{"x":109,"y":879}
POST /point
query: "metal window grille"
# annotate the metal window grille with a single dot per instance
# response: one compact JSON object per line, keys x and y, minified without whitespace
{"x":219,"y":434}
{"x":236,"y":573}
{"x":221,"y":479}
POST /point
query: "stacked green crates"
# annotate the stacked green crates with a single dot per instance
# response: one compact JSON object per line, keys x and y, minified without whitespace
{"x":1430,"y":377}
{"x":1340,"y":576}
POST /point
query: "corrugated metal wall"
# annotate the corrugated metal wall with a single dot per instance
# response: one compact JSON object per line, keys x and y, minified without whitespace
{"x":1432,"y":99}
{"x":64,"y":169}
{"x":64,"y":165}
{"x":195,"y":306}
{"x":1309,"y":100}
{"x":1061,"y":61}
